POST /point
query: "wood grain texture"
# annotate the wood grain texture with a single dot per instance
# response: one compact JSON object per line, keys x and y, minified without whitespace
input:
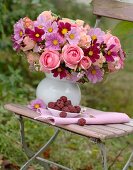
{"x":113,"y":9}
{"x":101,"y":132}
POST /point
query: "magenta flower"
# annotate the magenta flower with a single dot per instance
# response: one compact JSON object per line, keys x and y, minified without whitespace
{"x":19,"y":31}
{"x":36,"y":104}
{"x":59,"y":72}
{"x":54,"y":41}
{"x":97,"y":34}
{"x":51,"y":27}
{"x":73,"y":36}
{"x":94,"y":74}
{"x":35,"y":35}
{"x":92,"y":52}
{"x":110,"y":54}
{"x":64,"y":28}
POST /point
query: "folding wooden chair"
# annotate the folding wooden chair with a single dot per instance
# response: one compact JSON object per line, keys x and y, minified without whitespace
{"x":96,"y":133}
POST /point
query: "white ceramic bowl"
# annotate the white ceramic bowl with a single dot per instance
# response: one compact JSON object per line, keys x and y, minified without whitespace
{"x":56,"y":113}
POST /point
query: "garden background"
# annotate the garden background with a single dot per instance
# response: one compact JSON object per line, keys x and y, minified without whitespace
{"x":17,"y":84}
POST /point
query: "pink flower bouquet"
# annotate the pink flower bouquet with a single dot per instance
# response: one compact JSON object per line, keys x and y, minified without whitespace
{"x":67,"y":48}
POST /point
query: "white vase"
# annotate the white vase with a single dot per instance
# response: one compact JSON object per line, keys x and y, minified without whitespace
{"x":50,"y":89}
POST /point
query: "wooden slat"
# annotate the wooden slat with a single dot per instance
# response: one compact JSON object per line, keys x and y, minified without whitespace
{"x":127,"y":129}
{"x":94,"y":131}
{"x":116,"y":132}
{"x":113,"y":9}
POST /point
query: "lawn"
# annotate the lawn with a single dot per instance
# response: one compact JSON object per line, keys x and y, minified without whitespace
{"x":17,"y":84}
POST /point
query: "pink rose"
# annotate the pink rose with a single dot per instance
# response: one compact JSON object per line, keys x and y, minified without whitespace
{"x":72,"y":54}
{"x":109,"y":39}
{"x":29,"y":44}
{"x":47,"y":15}
{"x":79,"y":22}
{"x":28,"y":23}
{"x":85,"y":63}
{"x":49,"y":60}
{"x":116,"y":65}
{"x":32,"y":57}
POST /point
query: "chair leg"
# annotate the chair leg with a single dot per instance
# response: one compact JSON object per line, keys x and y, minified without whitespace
{"x":128,"y":162}
{"x":35,"y":156}
{"x":104,"y":154}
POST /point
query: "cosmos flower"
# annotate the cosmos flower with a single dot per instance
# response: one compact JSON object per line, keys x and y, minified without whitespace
{"x":73,"y":36}
{"x":19,"y":31}
{"x":51,"y":27}
{"x":36,"y":104}
{"x":95,"y":74}
{"x":54,"y":41}
{"x":110,"y":54}
{"x":97,"y":34}
{"x":40,"y":22}
{"x":60,"y":72}
{"x":64,"y":28}
{"x":92,"y":52}
{"x":35,"y":35}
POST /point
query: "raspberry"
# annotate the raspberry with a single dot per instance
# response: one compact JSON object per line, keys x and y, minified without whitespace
{"x":51,"y":105}
{"x":81,"y":122}
{"x":60,"y":104}
{"x":72,"y":109}
{"x":78,"y":109}
{"x":65,"y":109}
{"x":68,"y":102}
{"x":56,"y":108}
{"x":64,"y":98}
{"x":63,"y":114}
{"x":59,"y":100}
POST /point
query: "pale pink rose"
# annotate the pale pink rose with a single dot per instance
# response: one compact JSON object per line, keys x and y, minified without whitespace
{"x":66,"y":20}
{"x":85,"y":40}
{"x":85,"y":63}
{"x":28,"y":23}
{"x":116,"y":65}
{"x":29,"y":44}
{"x":32,"y":57}
{"x":49,"y":60}
{"x":47,"y":15}
{"x":100,"y":61}
{"x":109,"y":39}
{"x":72,"y":54}
{"x":79,"y":22}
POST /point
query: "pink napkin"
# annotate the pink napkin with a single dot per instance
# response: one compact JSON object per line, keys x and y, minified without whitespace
{"x":92,"y":116}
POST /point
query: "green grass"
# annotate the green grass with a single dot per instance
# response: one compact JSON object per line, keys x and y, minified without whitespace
{"x":114,"y":94}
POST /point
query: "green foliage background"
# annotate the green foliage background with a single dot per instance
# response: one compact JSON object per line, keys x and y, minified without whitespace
{"x":18,"y":85}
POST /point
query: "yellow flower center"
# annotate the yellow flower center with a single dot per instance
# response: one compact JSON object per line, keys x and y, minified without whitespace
{"x":64,"y":31}
{"x":50,"y":30}
{"x":90,"y":53}
{"x":109,"y":52}
{"x":37,"y":35}
{"x":40,"y":26}
{"x":20,"y":33}
{"x":93,"y":72}
{"x":94,"y":37}
{"x":55,"y":42}
{"x":37,"y":106}
{"x":59,"y":69}
{"x":71,"y":36}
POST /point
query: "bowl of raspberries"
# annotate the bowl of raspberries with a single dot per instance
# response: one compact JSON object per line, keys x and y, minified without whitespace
{"x":63,"y":108}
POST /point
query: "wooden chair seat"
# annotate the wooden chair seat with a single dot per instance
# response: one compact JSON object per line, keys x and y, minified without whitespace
{"x":101,"y":132}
